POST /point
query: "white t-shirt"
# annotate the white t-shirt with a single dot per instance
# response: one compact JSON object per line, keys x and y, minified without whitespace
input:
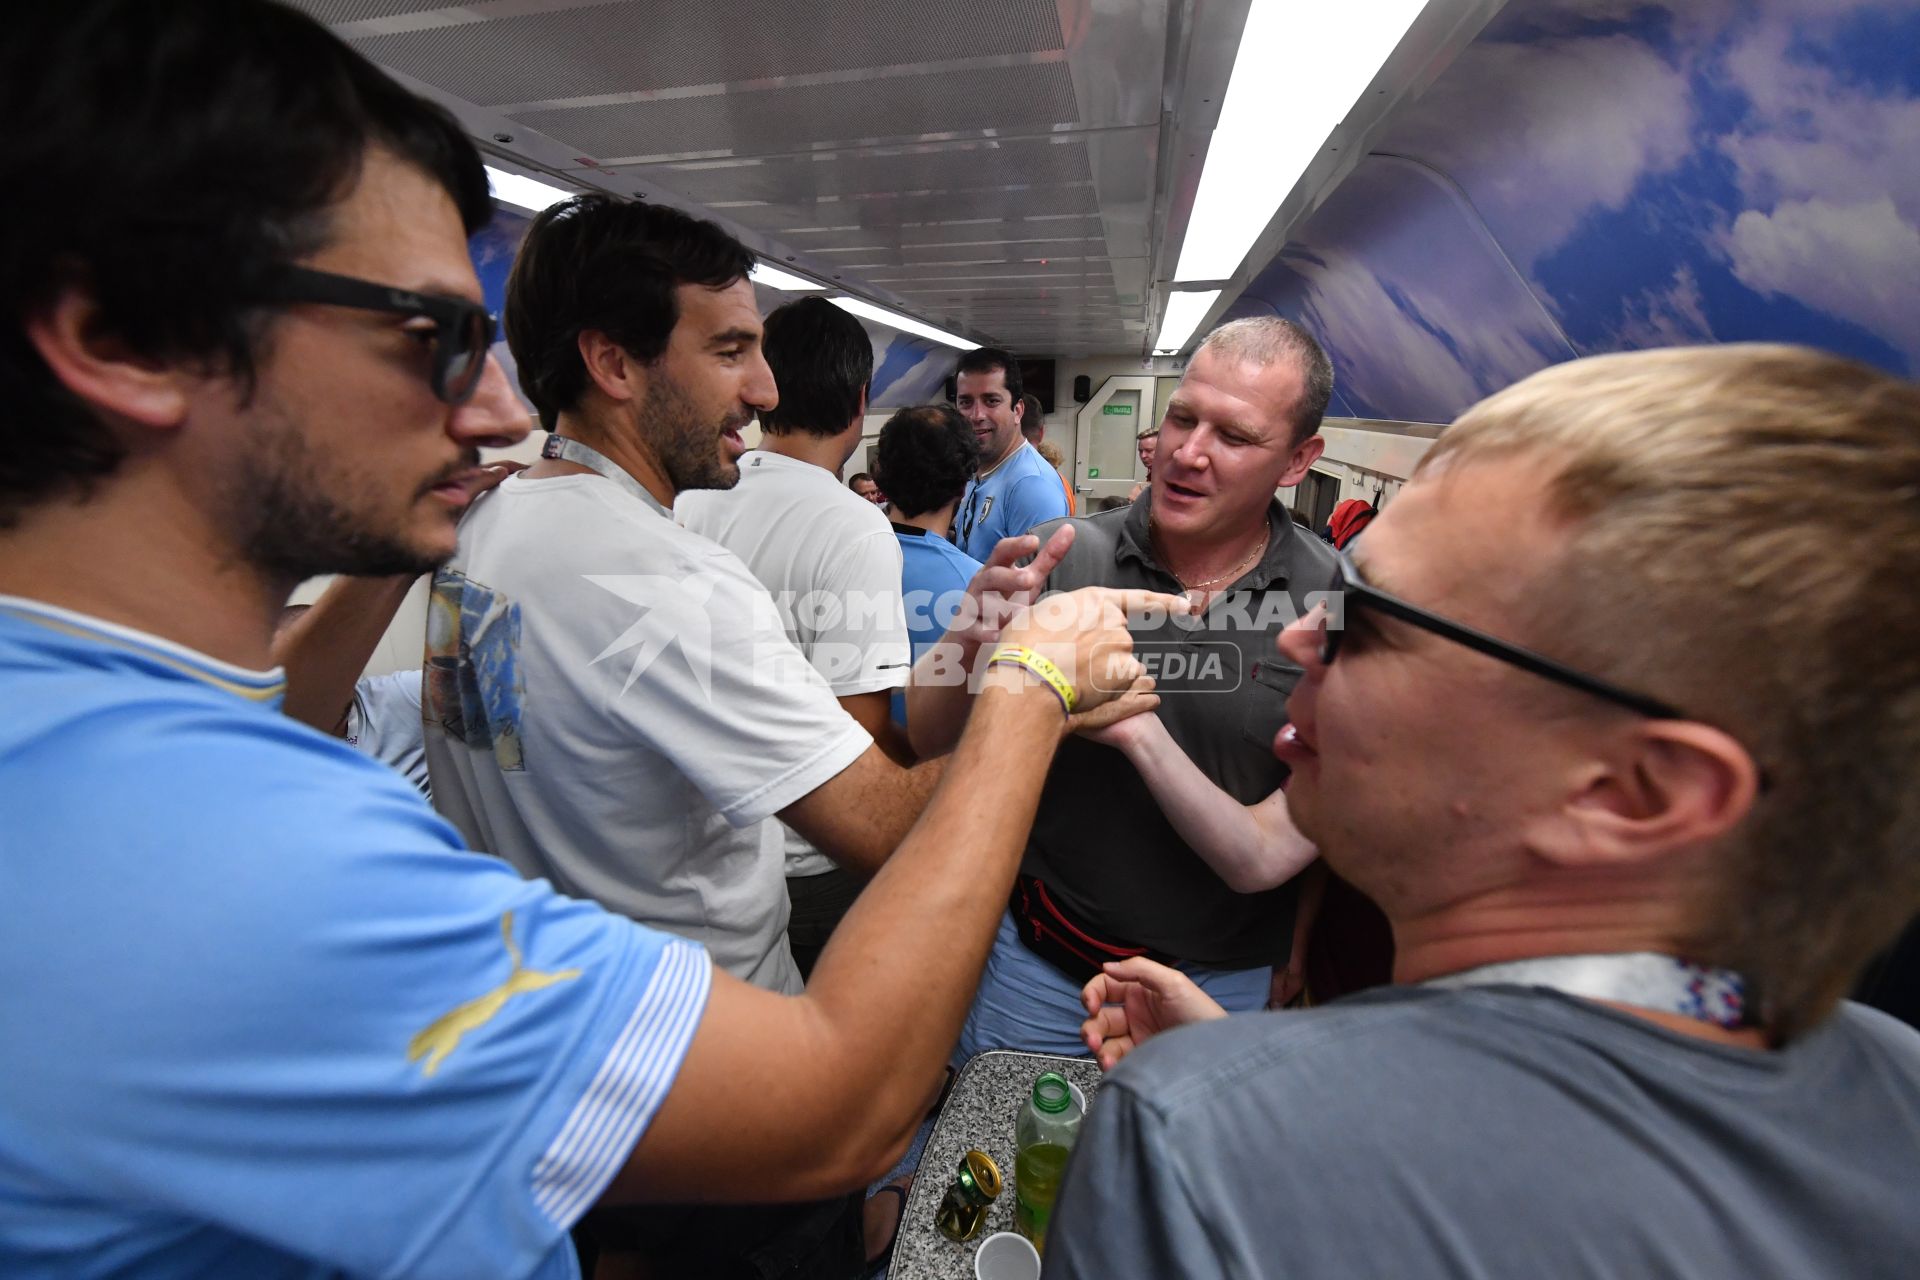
{"x":612,"y":703}
{"x":833,"y":565}
{"x":384,"y":722}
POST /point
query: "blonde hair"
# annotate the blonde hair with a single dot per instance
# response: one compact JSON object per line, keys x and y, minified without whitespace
{"x":1745,"y":544}
{"x":1051,"y":452}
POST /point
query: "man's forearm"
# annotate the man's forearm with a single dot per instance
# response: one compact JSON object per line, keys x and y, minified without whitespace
{"x":901,"y":968}
{"x":325,"y":650}
{"x":1248,"y":853}
{"x":861,"y":840}
{"x":938,"y":698}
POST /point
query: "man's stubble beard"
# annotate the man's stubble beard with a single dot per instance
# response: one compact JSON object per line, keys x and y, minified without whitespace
{"x":288,"y":506}
{"x":688,"y":447}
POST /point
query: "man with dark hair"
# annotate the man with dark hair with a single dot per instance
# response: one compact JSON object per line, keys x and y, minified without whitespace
{"x":824,"y":554}
{"x":1107,"y":873}
{"x":930,"y":453}
{"x":1632,"y":859}
{"x":637,"y":338}
{"x":863,"y":484}
{"x":614,"y":702}
{"x":265,"y":1015}
{"x":1014,"y":489}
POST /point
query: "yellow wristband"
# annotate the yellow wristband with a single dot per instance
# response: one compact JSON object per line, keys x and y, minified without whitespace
{"x":1040,"y":665}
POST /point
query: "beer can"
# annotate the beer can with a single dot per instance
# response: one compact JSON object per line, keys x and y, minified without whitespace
{"x":976,"y":1184}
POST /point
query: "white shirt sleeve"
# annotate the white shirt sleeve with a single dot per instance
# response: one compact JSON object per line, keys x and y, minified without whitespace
{"x":860,"y":644}
{"x":384,"y":723}
{"x":707,"y":676}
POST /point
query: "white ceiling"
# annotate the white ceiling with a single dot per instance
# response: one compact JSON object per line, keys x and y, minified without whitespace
{"x":993,"y":167}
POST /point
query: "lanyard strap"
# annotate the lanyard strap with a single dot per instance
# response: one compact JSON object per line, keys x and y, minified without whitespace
{"x":565,"y":450}
{"x":1644,"y":979}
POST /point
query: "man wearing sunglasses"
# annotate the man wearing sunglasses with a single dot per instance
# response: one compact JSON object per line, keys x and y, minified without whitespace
{"x":1616,"y":714}
{"x":264,"y":1014}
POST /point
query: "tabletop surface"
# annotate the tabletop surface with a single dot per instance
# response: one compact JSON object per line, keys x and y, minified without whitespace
{"x":980,"y":1113}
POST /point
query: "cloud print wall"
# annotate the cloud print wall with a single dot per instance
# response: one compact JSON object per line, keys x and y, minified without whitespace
{"x":1604,"y":175}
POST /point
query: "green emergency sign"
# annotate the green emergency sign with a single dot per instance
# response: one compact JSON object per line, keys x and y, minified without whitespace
{"x":1117,"y":410}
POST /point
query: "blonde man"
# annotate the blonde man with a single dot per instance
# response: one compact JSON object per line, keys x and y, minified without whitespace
{"x":1627,"y":757}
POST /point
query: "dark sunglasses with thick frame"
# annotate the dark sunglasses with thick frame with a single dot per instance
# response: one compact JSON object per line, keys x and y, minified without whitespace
{"x":463,"y":330}
{"x":1353,"y":590}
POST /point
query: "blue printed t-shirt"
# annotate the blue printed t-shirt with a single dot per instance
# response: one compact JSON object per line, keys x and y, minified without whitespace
{"x":933,"y":580}
{"x":264,"y":1016}
{"x":1020,"y":492}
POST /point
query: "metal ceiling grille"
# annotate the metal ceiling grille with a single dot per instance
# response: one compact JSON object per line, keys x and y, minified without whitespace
{"x":337,"y":11}
{"x":668,"y":44}
{"x":883,"y":211}
{"x":1014,"y":163}
{"x":831,"y":240}
{"x":1024,"y":98}
{"x":966,"y":162}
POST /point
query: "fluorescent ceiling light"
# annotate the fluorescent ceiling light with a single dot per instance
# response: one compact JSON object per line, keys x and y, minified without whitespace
{"x":785,"y":281}
{"x":523,"y":193}
{"x":1184,"y":312}
{"x":867,"y":311}
{"x":1299,"y":71}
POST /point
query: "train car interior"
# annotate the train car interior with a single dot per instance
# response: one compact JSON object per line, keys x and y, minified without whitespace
{"x":1586,"y":289}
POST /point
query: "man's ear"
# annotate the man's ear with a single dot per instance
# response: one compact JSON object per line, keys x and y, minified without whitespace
{"x":1673,"y":785}
{"x":1304,"y":455}
{"x":611,"y":367}
{"x":100,"y":370}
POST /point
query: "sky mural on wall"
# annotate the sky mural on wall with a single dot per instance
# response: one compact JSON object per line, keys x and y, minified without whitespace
{"x":1604,"y":175}
{"x":906,"y":370}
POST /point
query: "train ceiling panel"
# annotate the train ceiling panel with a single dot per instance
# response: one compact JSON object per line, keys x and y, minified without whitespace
{"x":564,"y":52}
{"x":773,"y":120}
{"x":875,"y":172}
{"x":992,"y":168}
{"x":341,"y":12}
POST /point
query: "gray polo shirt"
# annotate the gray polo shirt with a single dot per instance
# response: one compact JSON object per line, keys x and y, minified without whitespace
{"x":1492,"y":1133}
{"x":1100,"y":841}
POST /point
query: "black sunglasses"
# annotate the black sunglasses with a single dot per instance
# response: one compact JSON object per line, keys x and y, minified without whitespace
{"x":1354,"y":591}
{"x":463,"y":330}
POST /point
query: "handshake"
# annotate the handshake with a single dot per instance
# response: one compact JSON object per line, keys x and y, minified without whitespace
{"x":1076,"y":645}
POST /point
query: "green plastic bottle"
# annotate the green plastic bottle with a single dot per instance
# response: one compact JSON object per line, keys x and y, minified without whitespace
{"x":1043,"y":1138}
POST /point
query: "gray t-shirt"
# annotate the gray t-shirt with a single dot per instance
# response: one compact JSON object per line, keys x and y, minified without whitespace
{"x":1496,"y":1132}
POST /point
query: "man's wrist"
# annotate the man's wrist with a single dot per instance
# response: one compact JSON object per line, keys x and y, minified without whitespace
{"x":1019,"y":687}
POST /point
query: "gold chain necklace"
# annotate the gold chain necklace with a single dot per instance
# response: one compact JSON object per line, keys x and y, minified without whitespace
{"x":1191,"y":589}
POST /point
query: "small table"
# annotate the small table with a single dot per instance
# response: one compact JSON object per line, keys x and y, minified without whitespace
{"x":979,"y":1114}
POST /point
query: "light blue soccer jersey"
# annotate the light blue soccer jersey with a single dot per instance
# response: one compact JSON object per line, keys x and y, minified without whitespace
{"x":1023,"y":491}
{"x":933,"y":583}
{"x":261,"y":1015}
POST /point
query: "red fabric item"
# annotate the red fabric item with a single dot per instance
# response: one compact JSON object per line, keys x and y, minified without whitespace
{"x":1349,"y":518}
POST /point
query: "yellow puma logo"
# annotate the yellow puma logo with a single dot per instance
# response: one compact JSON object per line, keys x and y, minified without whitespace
{"x":443,"y":1034}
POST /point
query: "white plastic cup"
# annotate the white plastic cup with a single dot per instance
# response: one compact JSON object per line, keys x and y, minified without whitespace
{"x":1006,"y":1255}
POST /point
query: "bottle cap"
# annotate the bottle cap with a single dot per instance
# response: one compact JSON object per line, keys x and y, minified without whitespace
{"x":1051,"y":1094}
